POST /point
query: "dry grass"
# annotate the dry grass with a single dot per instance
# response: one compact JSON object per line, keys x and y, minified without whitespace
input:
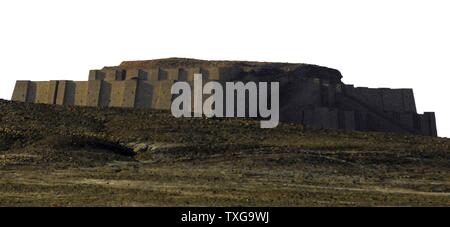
{"x":68,"y":156}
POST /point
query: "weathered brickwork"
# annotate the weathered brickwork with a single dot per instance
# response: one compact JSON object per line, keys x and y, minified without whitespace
{"x":309,"y":95}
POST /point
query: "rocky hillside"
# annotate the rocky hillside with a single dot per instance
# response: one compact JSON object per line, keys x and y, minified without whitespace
{"x":91,"y":156}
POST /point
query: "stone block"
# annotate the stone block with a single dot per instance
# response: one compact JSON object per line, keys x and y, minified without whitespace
{"x":114,"y":74}
{"x":409,"y":103}
{"x":363,"y":94}
{"x":183,"y":75}
{"x":431,"y":122}
{"x":349,"y":120}
{"x":163,"y":95}
{"x":81,"y":91}
{"x":154,"y":94}
{"x":320,"y":114}
{"x":93,"y":93}
{"x":61,"y":93}
{"x":361,"y":120}
{"x":105,"y":94}
{"x":326,"y":118}
{"x":211,"y":73}
{"x":96,"y":75}
{"x":308,"y":117}
{"x":334,"y":119}
{"x":290,"y":115}
{"x":375,"y":99}
{"x":173,"y":73}
{"x":191,"y":72}
{"x":129,"y":93}
{"x":425,"y":124}
{"x":300,"y":93}
{"x":42,"y":88}
{"x":20,"y":92}
{"x":145,"y":94}
{"x":136,"y":74}
{"x":69,"y":97}
{"x":392,"y":100}
{"x":328,"y":95}
{"x":153,"y":74}
{"x":117,"y":89}
{"x":349,"y":89}
{"x":52,"y":92}
{"x":407,"y":120}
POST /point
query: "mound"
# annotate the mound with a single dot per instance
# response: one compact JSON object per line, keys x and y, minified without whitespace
{"x":78,"y":156}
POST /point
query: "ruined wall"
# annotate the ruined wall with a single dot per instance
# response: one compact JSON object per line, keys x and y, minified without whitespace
{"x":300,"y":93}
{"x":312,"y":99}
{"x":157,"y":74}
{"x":127,"y":93}
{"x":330,"y":118}
{"x":317,"y":103}
{"x":385,"y":99}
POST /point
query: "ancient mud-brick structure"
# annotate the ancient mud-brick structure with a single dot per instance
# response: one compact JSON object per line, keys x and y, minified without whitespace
{"x":309,"y":94}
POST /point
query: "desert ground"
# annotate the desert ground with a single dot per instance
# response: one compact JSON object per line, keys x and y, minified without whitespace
{"x":79,"y":156}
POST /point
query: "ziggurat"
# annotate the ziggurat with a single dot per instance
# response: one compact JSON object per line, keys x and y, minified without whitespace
{"x":310,"y":95}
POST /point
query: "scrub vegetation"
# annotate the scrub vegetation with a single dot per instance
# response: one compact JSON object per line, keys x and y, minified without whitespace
{"x":79,"y":156}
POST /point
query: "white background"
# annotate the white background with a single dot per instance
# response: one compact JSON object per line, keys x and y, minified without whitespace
{"x":395,"y":43}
